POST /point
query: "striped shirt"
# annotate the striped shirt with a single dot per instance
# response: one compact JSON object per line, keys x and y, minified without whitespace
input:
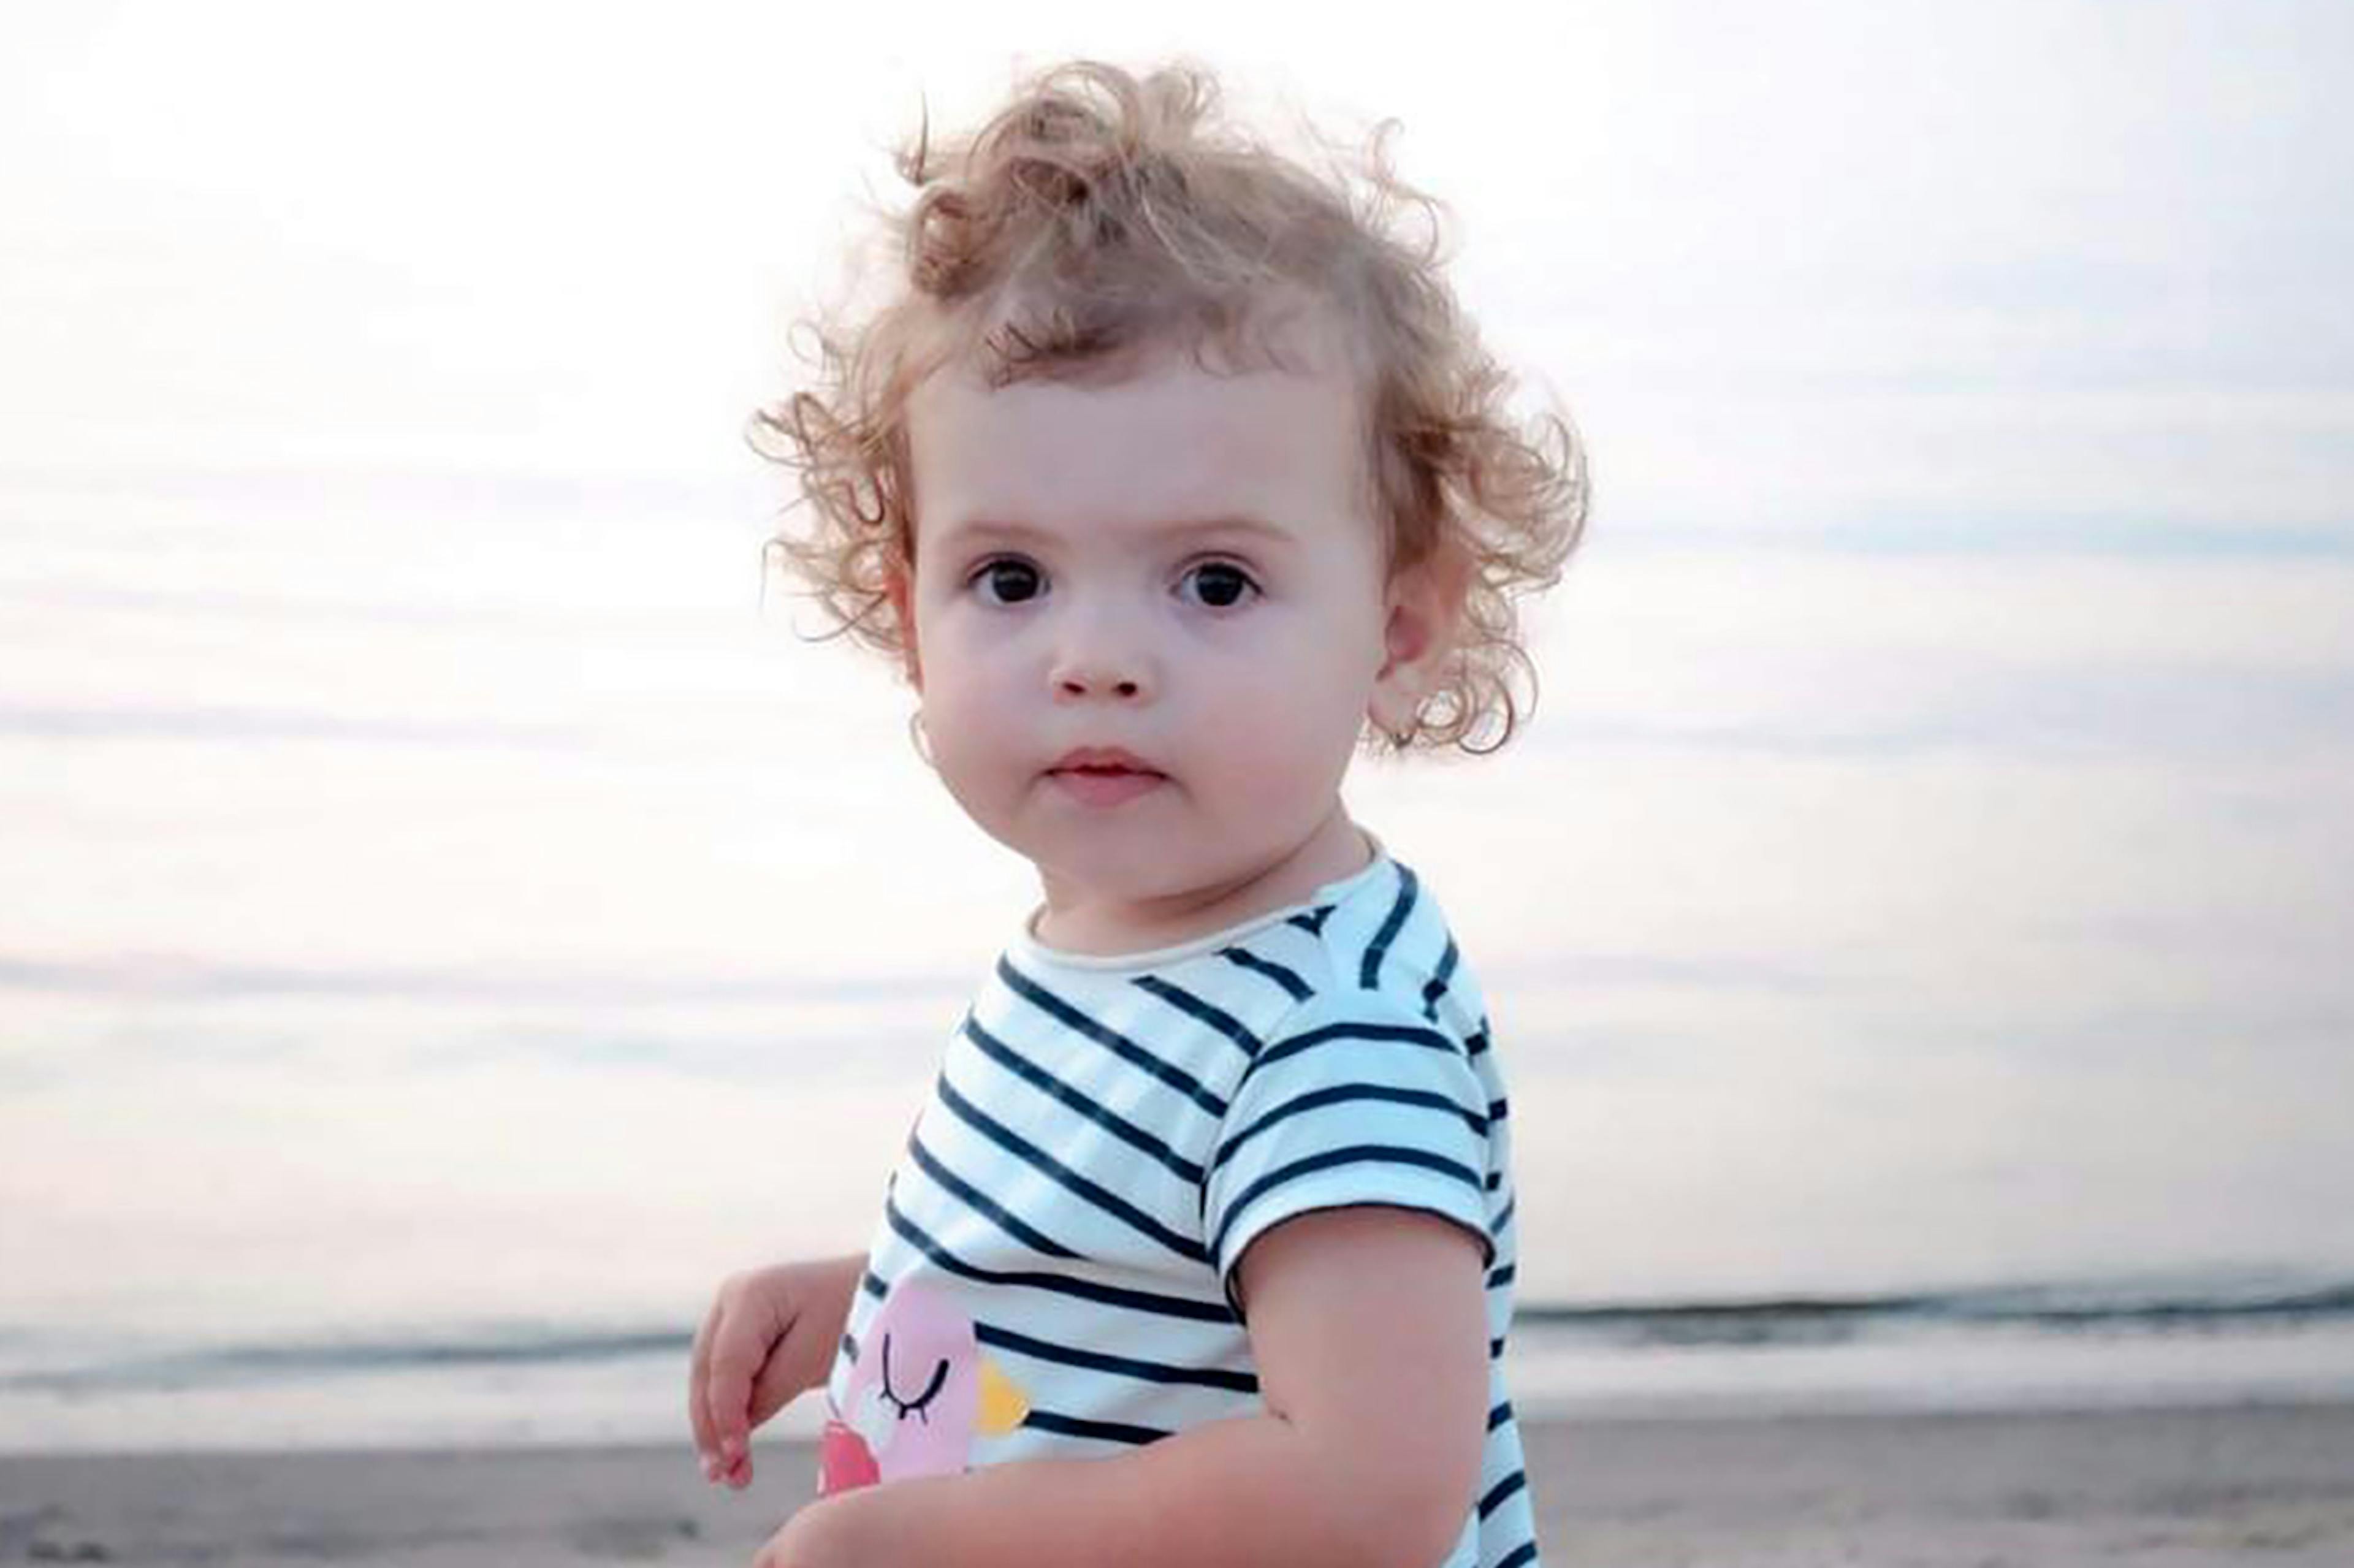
{"x":1054,"y":1272}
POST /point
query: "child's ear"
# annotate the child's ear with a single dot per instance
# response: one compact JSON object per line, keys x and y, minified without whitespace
{"x":1422,"y":615}
{"x":899,"y":586}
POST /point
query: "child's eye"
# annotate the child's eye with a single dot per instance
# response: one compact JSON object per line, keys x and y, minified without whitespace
{"x":1008,"y":580}
{"x":1220,"y":585}
{"x":922,"y":1402}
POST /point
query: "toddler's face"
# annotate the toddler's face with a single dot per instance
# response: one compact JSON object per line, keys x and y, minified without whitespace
{"x":1177,"y":565}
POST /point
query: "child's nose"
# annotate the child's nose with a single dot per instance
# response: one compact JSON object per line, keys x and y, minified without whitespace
{"x":1102,"y":666}
{"x":1076,"y":680}
{"x":1101,"y":651}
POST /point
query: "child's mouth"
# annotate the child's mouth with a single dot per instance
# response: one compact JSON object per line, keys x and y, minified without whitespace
{"x":1101,"y":785}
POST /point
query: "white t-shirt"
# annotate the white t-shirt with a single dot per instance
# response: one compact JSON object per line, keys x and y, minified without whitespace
{"x":1053,"y":1274}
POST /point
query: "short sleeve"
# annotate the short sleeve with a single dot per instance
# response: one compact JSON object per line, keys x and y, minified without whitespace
{"x":1355,"y":1100}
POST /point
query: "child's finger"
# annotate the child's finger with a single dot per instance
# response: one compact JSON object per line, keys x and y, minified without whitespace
{"x":698,"y":1377}
{"x":736,"y":1355}
{"x":778,"y":1382}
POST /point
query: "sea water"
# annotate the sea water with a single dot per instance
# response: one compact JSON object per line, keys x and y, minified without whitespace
{"x":2230,"y":1341}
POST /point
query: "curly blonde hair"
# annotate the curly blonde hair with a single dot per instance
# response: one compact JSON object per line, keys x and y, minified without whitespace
{"x":1098,"y":214}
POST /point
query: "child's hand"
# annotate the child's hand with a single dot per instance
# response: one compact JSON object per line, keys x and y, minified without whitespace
{"x":770,"y":1333}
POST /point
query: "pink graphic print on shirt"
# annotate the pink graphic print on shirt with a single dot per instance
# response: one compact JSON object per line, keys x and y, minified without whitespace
{"x":917,"y":1392}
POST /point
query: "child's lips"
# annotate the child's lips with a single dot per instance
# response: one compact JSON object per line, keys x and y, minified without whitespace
{"x":1101,"y":758}
{"x":1105,"y":785}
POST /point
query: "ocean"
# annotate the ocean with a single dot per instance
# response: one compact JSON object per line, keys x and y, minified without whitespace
{"x":2213,"y":1341}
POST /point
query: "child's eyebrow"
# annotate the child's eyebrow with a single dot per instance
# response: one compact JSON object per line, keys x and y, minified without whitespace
{"x":981,"y":530}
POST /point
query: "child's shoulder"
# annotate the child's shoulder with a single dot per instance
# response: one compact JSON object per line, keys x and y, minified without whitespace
{"x":1374,"y":949}
{"x":1378,"y":951}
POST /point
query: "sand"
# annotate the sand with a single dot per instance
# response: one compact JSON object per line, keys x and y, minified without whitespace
{"x":2271,"y":1485}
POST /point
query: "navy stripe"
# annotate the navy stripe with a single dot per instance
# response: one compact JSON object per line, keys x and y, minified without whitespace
{"x":1290,"y":983}
{"x":1030,"y":1073}
{"x":1503,"y":1276}
{"x":1369,"y":972}
{"x":1501,"y":1413}
{"x":1400,"y":1033}
{"x":1109,"y":1431}
{"x":1503,"y":1216}
{"x":1437,"y":986}
{"x":1495,"y":1179}
{"x":1353,"y":1154}
{"x":1193,"y":1006}
{"x":1519,"y":1556}
{"x":1406,"y":1033}
{"x":1337,"y":1094}
{"x":1021,"y":1148}
{"x":1477,"y":1044}
{"x":1495,"y":1349}
{"x":1512,"y":1483}
{"x":915,"y":1237}
{"x":1497,"y":1110}
{"x":972,"y":1197}
{"x":1126,"y":1366}
{"x":1118,"y":1045}
{"x":870,"y":1283}
{"x":1312,"y":922}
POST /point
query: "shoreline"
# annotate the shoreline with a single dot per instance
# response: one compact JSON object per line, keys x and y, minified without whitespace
{"x":2200,"y":1486}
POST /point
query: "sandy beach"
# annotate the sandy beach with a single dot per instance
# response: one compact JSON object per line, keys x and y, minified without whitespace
{"x":2189,"y":1486}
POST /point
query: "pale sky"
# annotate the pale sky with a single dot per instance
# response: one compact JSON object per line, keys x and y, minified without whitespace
{"x":1931,"y":861}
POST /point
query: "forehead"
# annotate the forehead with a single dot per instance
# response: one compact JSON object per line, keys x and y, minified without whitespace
{"x":1142,"y":444}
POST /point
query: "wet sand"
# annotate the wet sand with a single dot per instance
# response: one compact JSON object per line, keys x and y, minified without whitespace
{"x":2271,"y":1485}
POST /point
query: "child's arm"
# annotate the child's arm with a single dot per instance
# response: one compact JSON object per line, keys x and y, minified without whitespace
{"x":1369,"y":1326}
{"x":771,"y":1332}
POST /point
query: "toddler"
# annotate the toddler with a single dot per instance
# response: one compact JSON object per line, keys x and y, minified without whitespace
{"x":1170,"y":476}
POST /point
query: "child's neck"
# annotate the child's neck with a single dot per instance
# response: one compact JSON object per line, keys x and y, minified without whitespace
{"x":1075,"y":921}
